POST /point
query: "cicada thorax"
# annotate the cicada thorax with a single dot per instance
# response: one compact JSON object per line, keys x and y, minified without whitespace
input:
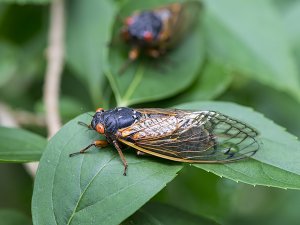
{"x":114,"y":119}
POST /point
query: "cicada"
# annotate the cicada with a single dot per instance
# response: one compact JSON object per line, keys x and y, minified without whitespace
{"x":174,"y":134}
{"x":157,"y":30}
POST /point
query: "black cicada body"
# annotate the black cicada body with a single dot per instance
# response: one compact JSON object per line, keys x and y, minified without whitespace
{"x":155,"y":31}
{"x":178,"y":135}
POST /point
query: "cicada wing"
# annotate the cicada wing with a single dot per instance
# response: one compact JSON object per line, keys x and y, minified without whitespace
{"x":187,"y":18}
{"x":177,"y":20}
{"x":195,"y":137}
{"x":160,"y":112}
{"x":233,"y":139}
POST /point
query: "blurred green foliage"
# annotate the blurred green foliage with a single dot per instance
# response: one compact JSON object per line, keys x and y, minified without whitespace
{"x":247,"y":52}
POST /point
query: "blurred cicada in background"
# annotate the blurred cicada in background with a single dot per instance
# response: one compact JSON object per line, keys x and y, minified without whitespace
{"x":178,"y":135}
{"x":155,"y":31}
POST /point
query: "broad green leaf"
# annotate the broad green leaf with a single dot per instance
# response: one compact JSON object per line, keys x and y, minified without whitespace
{"x":148,"y":79}
{"x":88,"y":37}
{"x":17,"y":145}
{"x":26,"y":1}
{"x":158,"y":214}
{"x":94,"y":181}
{"x":91,"y":188}
{"x":207,"y":195}
{"x":213,"y":80}
{"x":275,"y":164}
{"x":12,"y":217}
{"x":255,"y":44}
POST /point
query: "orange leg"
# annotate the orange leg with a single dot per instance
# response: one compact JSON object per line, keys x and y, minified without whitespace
{"x":99,"y":143}
{"x":122,"y":157}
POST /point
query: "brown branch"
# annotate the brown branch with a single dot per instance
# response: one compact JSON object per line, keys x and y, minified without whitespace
{"x":55,"y":60}
{"x":25,"y":118}
{"x":19,"y":117}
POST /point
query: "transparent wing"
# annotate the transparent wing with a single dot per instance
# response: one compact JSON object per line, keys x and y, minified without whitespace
{"x":204,"y":136}
{"x":185,"y":21}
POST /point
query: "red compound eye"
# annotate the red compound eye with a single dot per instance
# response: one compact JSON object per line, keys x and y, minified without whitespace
{"x":148,"y":36}
{"x":100,"y":110}
{"x":100,"y":128}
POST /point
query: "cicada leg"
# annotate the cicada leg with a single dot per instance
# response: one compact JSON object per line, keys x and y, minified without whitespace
{"x":132,"y":56}
{"x":121,"y":156}
{"x":98,"y":143}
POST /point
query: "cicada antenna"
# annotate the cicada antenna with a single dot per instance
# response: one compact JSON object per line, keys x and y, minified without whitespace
{"x":85,"y":125}
{"x":90,"y":114}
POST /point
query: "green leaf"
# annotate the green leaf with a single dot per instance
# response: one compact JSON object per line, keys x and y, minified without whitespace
{"x":17,"y":145}
{"x":275,"y":164}
{"x":26,"y":1}
{"x":90,"y":188}
{"x":94,"y":181}
{"x":12,"y":217}
{"x":256,"y":46}
{"x":207,"y":195}
{"x":158,"y":214}
{"x":214,"y":80}
{"x":88,"y":37}
{"x":148,"y":80}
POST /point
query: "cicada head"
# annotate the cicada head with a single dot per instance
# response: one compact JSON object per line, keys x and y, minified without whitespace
{"x":109,"y":121}
{"x":142,"y":28}
{"x":98,"y":123}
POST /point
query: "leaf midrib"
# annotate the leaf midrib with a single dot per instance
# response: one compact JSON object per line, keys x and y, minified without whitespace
{"x":133,"y":85}
{"x":87,"y":186}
